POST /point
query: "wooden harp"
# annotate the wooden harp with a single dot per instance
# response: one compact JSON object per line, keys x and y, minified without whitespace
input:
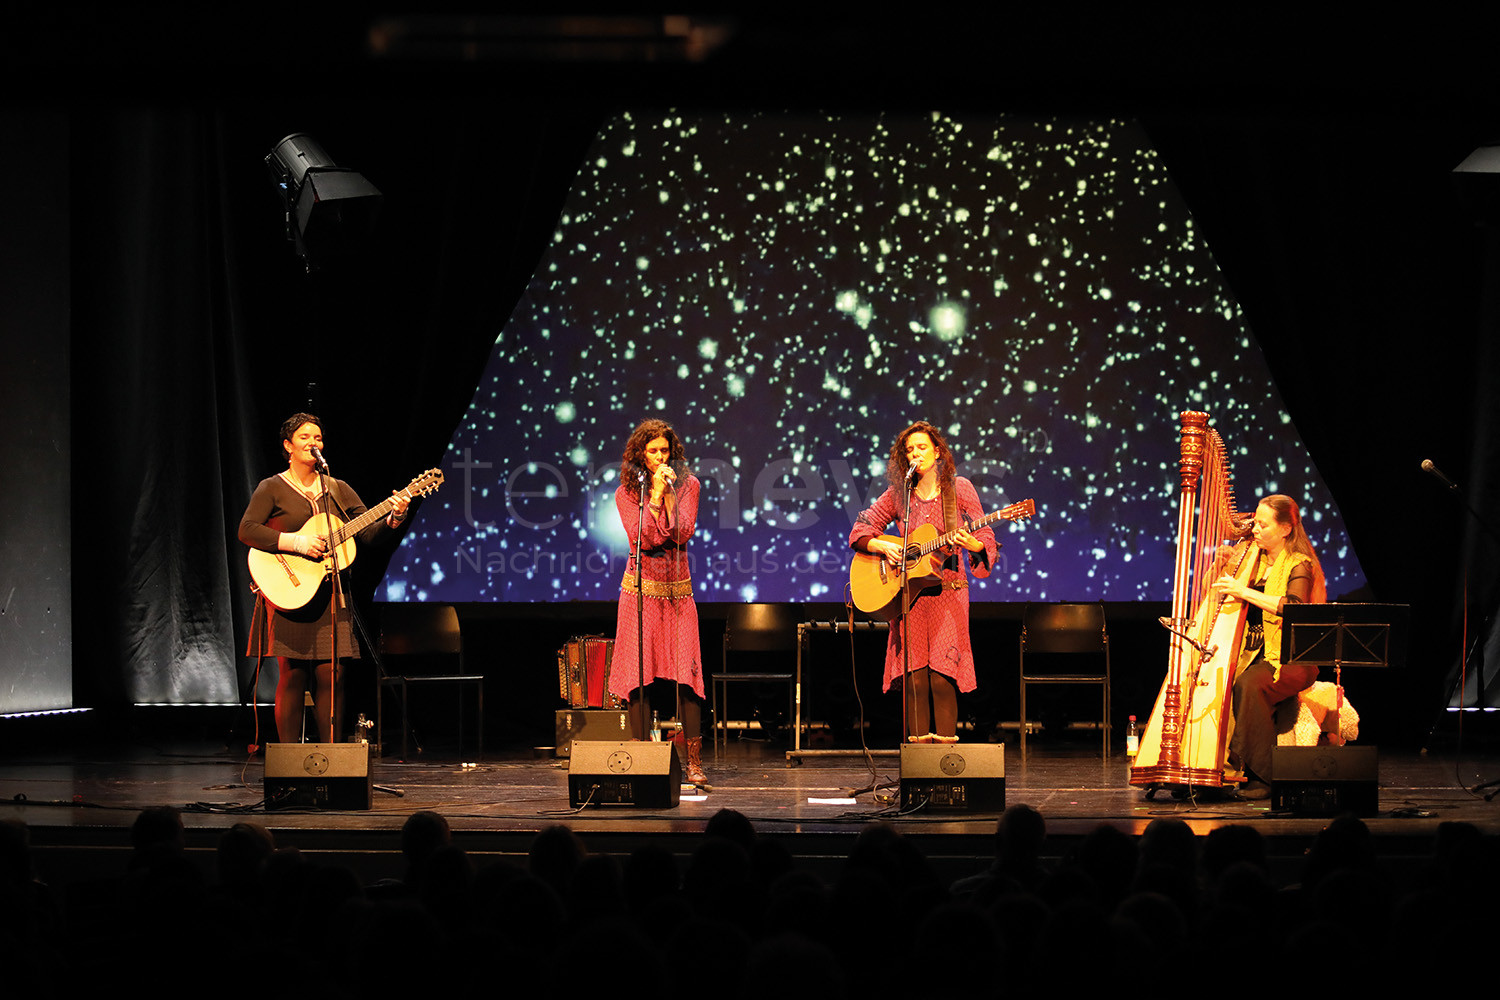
{"x":1186,"y":741}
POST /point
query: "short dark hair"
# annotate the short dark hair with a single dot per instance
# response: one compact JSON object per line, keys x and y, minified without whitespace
{"x":290,"y":424}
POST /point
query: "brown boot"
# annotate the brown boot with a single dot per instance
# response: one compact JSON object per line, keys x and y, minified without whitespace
{"x":695,"y":761}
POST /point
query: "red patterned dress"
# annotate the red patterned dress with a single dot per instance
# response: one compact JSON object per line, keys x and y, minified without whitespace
{"x":938,"y":626}
{"x":670,"y":615}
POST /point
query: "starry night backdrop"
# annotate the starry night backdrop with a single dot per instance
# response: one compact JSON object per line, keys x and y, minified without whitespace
{"x":790,"y":292}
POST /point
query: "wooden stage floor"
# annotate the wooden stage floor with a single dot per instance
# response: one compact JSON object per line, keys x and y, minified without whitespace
{"x":78,"y":806}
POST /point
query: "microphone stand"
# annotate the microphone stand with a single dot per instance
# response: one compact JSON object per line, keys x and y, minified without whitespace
{"x":358,"y":621}
{"x":1477,"y":644}
{"x":359,"y":626}
{"x":680,"y":737}
{"x":336,"y":598}
{"x":911,"y":485}
{"x":640,"y":603}
{"x":1172,"y":625}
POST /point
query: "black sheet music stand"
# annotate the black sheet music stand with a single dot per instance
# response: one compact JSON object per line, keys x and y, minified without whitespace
{"x":1343,"y":635}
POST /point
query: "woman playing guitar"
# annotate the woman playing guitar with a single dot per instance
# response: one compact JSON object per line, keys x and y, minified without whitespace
{"x":933,"y":640}
{"x":285,"y":515}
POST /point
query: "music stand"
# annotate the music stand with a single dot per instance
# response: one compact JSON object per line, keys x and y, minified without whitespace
{"x":1343,"y":635}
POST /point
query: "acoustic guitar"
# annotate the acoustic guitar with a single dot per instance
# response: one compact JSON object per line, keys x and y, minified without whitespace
{"x":876,"y":584}
{"x":289,"y":581}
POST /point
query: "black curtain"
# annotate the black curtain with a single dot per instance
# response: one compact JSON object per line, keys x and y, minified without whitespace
{"x":153,"y":316}
{"x":1359,"y":270}
{"x":196,"y":331}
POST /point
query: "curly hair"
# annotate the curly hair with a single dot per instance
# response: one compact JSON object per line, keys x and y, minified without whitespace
{"x":895,"y":469}
{"x":634,"y":459}
{"x":1286,"y":511}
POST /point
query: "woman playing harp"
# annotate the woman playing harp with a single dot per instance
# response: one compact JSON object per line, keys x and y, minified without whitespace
{"x":1213,"y":723}
{"x":1185,"y":743}
{"x":1287,"y":572}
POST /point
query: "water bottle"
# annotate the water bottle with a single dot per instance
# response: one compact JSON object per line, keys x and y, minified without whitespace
{"x":655,"y":728}
{"x":1132,"y":738}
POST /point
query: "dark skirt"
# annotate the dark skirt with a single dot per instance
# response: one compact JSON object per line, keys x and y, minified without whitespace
{"x":305,"y":633}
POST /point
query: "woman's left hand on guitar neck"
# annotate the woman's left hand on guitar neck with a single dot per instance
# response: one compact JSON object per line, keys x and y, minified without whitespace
{"x":968,"y":541}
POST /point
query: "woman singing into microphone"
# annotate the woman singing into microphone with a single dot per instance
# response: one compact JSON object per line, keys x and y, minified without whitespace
{"x":287,"y":513}
{"x":654,"y":469}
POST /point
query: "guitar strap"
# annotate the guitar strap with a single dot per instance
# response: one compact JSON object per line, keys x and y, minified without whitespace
{"x":950,"y":522}
{"x":950,"y":507}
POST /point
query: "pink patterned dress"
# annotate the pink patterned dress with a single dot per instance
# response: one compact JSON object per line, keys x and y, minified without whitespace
{"x":670,"y":615}
{"x":938,"y":626}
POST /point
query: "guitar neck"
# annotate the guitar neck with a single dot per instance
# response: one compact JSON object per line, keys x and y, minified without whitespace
{"x":363,"y":521}
{"x":948,"y":539}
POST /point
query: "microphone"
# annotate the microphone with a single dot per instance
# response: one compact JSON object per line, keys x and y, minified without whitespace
{"x":911,"y":470}
{"x":1427,"y":466}
{"x":318,"y":459}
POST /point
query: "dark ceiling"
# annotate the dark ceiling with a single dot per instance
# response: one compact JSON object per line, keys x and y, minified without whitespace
{"x":1121,"y":60}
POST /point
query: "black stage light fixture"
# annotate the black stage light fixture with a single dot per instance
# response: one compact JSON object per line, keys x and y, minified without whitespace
{"x":1478,"y":182}
{"x":329,"y":209}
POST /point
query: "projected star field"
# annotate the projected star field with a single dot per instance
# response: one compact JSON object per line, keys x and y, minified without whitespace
{"x":790,"y":292}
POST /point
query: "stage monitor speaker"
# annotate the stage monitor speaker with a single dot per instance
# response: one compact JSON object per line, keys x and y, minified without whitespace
{"x":958,"y":777}
{"x":318,"y":776}
{"x":624,"y":773}
{"x":576,"y":725}
{"x":1325,"y":781}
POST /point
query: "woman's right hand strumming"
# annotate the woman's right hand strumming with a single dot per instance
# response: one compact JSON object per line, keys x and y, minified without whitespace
{"x":890,"y":550}
{"x":313,"y":547}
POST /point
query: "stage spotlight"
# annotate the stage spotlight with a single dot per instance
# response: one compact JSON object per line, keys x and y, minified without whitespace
{"x":329,"y":209}
{"x":1478,"y":182}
